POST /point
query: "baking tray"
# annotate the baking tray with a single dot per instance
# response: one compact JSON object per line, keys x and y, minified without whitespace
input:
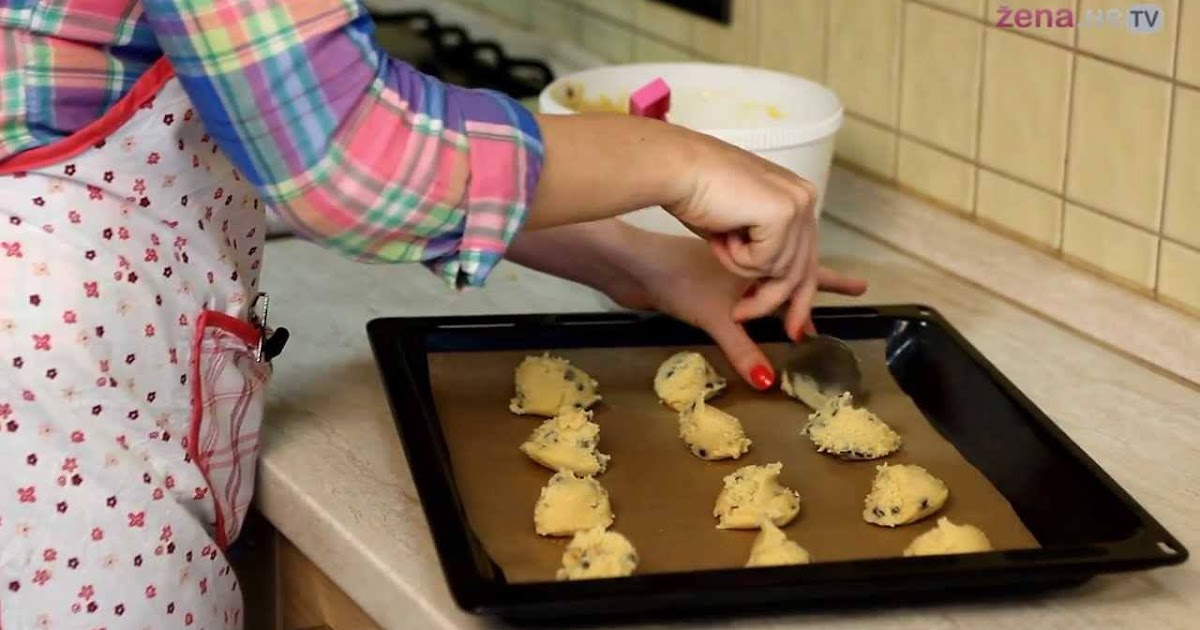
{"x":1084,"y":523}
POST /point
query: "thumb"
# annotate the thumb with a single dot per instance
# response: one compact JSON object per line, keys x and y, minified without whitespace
{"x":745,"y":355}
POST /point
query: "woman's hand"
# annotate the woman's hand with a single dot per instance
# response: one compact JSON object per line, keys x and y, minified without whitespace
{"x":675,"y":275}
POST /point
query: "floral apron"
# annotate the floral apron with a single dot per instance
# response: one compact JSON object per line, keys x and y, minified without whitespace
{"x":131,"y":371}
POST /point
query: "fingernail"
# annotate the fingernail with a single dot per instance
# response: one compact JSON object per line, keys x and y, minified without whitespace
{"x":762,"y":377}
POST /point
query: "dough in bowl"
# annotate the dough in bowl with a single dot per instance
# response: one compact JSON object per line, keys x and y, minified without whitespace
{"x":948,"y":538}
{"x":753,"y":493}
{"x":570,"y":504}
{"x":839,"y":428}
{"x":547,"y":385}
{"x":684,"y":378}
{"x":712,"y":434}
{"x":772,"y":548}
{"x":597,"y":553}
{"x":903,"y":494}
{"x":567,"y":441}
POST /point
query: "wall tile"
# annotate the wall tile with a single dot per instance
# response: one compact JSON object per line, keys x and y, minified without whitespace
{"x":1189,"y":43}
{"x":1182,"y":215}
{"x":1153,"y":52}
{"x":1042,"y":15}
{"x":1123,"y":251}
{"x":607,"y":39}
{"x":664,"y":21}
{"x":1179,"y":278}
{"x":936,"y":175}
{"x":1118,"y":139}
{"x":647,"y":49}
{"x":972,"y":8}
{"x":792,"y":36}
{"x":940,"y":75}
{"x":620,"y":10}
{"x":1019,"y":208}
{"x":863,"y":54}
{"x":556,"y":19}
{"x":867,"y":146}
{"x":1026,"y":99}
{"x":736,"y":42}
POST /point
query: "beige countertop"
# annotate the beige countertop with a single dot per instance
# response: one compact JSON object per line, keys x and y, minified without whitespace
{"x":334,"y":480}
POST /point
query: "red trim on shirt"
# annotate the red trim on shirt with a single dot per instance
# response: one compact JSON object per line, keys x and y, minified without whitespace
{"x":146,"y":87}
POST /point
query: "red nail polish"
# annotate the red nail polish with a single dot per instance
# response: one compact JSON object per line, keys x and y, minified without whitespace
{"x":762,"y":377}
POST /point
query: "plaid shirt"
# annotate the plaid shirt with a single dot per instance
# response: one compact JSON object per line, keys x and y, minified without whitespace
{"x":359,"y":152}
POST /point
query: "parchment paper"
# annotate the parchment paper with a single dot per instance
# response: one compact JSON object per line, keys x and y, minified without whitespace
{"x":662,"y":495}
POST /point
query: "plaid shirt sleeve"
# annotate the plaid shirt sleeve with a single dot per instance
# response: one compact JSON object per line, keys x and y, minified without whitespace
{"x":360,"y":152}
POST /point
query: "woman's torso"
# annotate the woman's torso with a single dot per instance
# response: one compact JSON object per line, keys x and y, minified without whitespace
{"x":63,"y":63}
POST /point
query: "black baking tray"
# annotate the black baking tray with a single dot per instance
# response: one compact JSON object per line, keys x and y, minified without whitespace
{"x":1085,"y":523}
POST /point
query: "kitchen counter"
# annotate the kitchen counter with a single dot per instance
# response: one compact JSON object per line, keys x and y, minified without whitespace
{"x":333,"y":477}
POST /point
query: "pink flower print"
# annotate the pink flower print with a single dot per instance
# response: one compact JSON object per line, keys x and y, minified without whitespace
{"x":31,"y":459}
{"x":5,"y":410}
{"x":157,"y":495}
{"x":35,"y":300}
{"x":153,"y":158}
{"x":165,"y":536}
{"x":76,"y":607}
{"x":158,"y":551}
{"x":41,"y":342}
{"x":173,"y":354}
{"x":94,"y":192}
{"x":168,"y":119}
{"x":187,"y":115}
{"x":49,"y":555}
{"x":14,"y":220}
{"x":179,"y":144}
{"x":27,"y":494}
{"x":127,"y":144}
{"x":137,"y":519}
{"x":27,"y":395}
{"x":123,"y":233}
{"x":203,"y":585}
{"x":108,"y":176}
{"x":69,"y":169}
{"x":77,"y":436}
{"x":41,"y":576}
{"x":86,"y":592}
{"x":61,"y":506}
{"x":139,"y":186}
{"x":151,"y":592}
{"x":69,"y":317}
{"x":90,"y":254}
{"x":204,"y":138}
{"x":187,"y":619}
{"x":92,"y":289}
{"x":169,"y":482}
{"x":149,"y":330}
{"x":39,"y":201}
{"x":73,"y":563}
{"x":195,"y":161}
{"x":111,"y":502}
{"x":97,"y":534}
{"x":12,"y":250}
{"x":210,"y":277}
{"x":49,"y":229}
{"x":70,"y":465}
{"x":198,"y":494}
{"x":218,"y":193}
{"x":97,"y":410}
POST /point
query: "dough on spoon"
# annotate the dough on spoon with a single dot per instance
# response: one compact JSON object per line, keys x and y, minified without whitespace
{"x":567,"y":441}
{"x":685,"y":377}
{"x":753,"y":493}
{"x":903,"y":494}
{"x":570,"y":504}
{"x":547,"y":385}
{"x":948,"y":538}
{"x":772,"y":548}
{"x":841,"y":429}
{"x":712,"y":434}
{"x":596,"y":553}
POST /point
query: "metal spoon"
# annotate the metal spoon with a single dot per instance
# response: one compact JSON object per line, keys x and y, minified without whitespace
{"x":820,"y":367}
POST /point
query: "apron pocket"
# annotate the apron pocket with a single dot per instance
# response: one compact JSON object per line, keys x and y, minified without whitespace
{"x":228,"y":400}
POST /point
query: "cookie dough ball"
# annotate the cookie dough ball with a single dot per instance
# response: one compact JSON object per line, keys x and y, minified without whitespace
{"x":903,"y":494}
{"x":839,"y":428}
{"x":685,"y":377}
{"x":948,"y":538}
{"x":571,"y":504}
{"x":772,"y":548}
{"x":711,"y":433}
{"x":567,"y":442}
{"x":549,"y":385}
{"x":596,"y":553}
{"x":753,"y":493}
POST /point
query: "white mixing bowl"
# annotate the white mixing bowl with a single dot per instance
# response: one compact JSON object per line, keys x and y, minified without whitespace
{"x":784,"y":118}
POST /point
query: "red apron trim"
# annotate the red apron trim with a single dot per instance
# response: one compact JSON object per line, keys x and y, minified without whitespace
{"x":146,"y":87}
{"x":250,"y":335}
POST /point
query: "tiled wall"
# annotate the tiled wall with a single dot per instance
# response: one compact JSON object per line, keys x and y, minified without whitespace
{"x":1084,"y":141}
